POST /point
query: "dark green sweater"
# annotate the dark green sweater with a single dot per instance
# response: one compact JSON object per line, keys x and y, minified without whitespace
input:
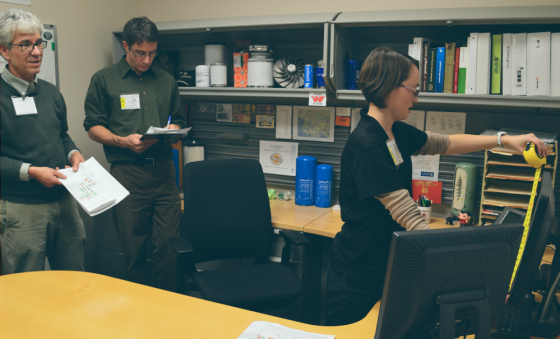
{"x":39,"y":139}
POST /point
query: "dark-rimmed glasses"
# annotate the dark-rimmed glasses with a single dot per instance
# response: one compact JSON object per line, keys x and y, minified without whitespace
{"x":28,"y":47}
{"x":142,"y":55}
{"x":414,"y":91}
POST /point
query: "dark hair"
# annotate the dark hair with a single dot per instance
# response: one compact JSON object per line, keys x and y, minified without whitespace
{"x":138,"y":30}
{"x":467,"y":212}
{"x":383,"y":70}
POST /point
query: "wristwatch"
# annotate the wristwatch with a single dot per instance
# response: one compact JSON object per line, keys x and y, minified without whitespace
{"x":500,"y":138}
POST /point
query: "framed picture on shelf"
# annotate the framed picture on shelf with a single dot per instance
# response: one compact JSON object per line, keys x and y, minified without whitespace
{"x":313,"y":123}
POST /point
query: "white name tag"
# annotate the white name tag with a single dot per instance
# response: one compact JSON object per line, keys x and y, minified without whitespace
{"x":24,"y":106}
{"x":395,"y":153}
{"x":130,"y":101}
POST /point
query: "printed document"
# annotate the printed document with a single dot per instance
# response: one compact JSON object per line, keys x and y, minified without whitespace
{"x":278,"y":157}
{"x":93,"y":187}
{"x":266,"y":330}
{"x":425,"y":167}
{"x":283,"y":122}
{"x":446,"y":123}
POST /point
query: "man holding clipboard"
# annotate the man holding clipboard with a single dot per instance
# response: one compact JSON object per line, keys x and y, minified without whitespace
{"x":123,"y":101}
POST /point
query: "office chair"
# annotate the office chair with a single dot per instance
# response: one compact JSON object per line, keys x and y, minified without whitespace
{"x":227,"y":215}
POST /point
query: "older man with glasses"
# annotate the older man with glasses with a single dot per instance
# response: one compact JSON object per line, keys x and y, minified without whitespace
{"x":122,"y":102}
{"x":39,"y":218}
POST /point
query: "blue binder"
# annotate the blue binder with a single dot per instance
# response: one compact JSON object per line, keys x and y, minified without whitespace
{"x":440,"y":69}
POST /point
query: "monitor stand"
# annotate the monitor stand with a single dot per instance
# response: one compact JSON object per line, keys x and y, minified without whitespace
{"x":453,"y":301}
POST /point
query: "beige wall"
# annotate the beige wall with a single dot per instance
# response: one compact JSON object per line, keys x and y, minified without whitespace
{"x":168,"y":10}
{"x":84,"y":41}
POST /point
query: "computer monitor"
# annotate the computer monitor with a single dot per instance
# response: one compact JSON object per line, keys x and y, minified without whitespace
{"x":510,"y":216}
{"x":546,"y":320}
{"x":542,"y":220}
{"x":432,"y":274}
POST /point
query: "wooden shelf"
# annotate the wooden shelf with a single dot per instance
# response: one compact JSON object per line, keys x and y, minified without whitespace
{"x":506,"y":200}
{"x":467,"y":99}
{"x":507,"y":173}
{"x":504,"y":160}
{"x":518,"y":188}
{"x":250,"y":92}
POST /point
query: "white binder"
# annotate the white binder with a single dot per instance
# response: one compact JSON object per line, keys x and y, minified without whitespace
{"x":519,"y":64}
{"x":506,"y":64}
{"x":555,"y":65}
{"x":538,"y":64}
{"x":471,"y":68}
{"x":483,"y":64}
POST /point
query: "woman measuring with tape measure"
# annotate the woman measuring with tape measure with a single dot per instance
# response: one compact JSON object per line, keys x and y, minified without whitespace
{"x":376,"y":181}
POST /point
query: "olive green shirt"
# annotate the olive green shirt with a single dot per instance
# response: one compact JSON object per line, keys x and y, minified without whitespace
{"x":159,"y":99}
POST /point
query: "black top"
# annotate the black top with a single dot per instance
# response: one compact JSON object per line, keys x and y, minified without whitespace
{"x":368,"y":170}
{"x":40,"y":139}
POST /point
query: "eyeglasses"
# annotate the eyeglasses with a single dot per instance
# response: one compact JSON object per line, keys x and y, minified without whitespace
{"x":28,"y":47}
{"x":415,"y":91}
{"x":142,"y":55}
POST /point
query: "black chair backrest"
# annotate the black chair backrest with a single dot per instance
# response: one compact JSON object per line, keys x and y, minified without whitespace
{"x":227,"y":212}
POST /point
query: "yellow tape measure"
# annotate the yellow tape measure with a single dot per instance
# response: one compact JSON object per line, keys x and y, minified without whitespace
{"x":537,"y":161}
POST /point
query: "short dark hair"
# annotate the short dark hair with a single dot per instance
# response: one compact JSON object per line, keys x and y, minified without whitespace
{"x":383,"y":70}
{"x":138,"y":30}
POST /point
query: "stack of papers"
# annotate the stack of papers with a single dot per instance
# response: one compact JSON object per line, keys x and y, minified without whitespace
{"x":266,"y":330}
{"x":165,"y":134}
{"x":93,"y":187}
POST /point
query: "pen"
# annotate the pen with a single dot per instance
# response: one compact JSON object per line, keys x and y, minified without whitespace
{"x":168,"y":121}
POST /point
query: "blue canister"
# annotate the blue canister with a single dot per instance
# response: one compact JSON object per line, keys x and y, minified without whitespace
{"x":323,"y":186}
{"x":305,"y":180}
{"x":309,"y":75}
{"x":351,"y":73}
{"x":319,"y":74}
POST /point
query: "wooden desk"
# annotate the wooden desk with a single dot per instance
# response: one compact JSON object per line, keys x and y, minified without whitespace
{"x":289,"y":216}
{"x":330,"y":224}
{"x":62,"y":304}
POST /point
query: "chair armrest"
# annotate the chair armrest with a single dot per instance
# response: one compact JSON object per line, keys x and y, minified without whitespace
{"x":181,"y":245}
{"x":294,"y":237}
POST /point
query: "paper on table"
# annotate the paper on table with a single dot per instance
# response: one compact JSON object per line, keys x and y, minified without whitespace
{"x":93,"y":187}
{"x":446,"y":123}
{"x":264,"y":329}
{"x":283,"y":122}
{"x":425,"y":167}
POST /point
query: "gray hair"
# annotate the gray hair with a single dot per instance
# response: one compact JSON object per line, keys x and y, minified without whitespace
{"x":17,"y":20}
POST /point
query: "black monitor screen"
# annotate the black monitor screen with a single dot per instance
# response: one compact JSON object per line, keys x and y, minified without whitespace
{"x":426,"y":264}
{"x":542,"y":220}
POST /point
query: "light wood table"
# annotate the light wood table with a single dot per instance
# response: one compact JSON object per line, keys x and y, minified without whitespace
{"x":331,"y":223}
{"x":63,"y":304}
{"x":289,"y":216}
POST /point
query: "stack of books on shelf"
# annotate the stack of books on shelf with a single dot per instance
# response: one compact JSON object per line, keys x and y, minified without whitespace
{"x":508,"y":179}
{"x":520,"y":64}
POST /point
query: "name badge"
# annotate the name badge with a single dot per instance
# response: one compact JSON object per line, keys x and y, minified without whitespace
{"x":395,"y":153}
{"x":24,"y":106}
{"x":130,"y":101}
